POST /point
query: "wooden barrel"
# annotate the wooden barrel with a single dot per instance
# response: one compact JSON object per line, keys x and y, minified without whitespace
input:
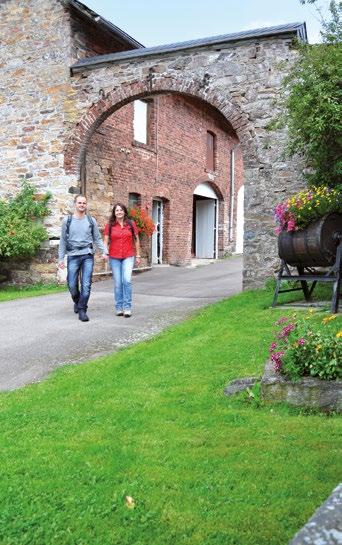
{"x":314,"y":246}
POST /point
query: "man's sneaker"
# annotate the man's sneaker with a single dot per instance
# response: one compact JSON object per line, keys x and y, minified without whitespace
{"x":82,"y":315}
{"x":127,"y":313}
{"x":119,"y":313}
{"x":76,"y":308}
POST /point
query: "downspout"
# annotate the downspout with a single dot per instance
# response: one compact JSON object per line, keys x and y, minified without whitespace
{"x":232,"y":192}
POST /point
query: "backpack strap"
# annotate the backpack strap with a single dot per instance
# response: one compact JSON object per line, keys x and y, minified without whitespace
{"x":131,"y":228}
{"x":91,"y":221}
{"x":68,"y":226}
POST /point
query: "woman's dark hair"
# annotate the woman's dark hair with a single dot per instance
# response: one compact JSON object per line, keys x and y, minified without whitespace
{"x":112,"y":218}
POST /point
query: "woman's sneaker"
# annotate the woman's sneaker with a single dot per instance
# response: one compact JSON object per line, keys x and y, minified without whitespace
{"x":119,"y":313}
{"x":127,"y":313}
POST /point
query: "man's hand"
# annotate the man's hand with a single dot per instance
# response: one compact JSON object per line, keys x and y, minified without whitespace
{"x":105,"y":257}
{"x":61,"y":265}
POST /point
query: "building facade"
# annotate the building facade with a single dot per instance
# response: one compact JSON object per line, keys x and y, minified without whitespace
{"x":179,"y":129}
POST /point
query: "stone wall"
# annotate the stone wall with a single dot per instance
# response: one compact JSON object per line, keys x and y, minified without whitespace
{"x":242,"y":81}
{"x":40,"y":39}
{"x":36,"y":99}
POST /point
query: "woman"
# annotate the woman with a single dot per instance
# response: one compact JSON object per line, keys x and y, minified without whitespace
{"x":121,"y":236}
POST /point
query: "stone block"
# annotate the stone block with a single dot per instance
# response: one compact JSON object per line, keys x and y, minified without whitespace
{"x":325,"y":526}
{"x":239,"y":385}
{"x":308,"y":392}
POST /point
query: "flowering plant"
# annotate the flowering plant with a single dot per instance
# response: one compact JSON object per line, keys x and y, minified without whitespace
{"x":304,"y":347}
{"x":143,"y":221}
{"x":307,"y":206}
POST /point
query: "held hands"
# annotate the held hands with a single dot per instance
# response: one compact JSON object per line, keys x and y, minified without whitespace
{"x":105,"y":257}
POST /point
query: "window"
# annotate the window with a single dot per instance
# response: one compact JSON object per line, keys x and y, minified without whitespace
{"x":140,"y":122}
{"x":133,"y":200}
{"x":210,"y":164}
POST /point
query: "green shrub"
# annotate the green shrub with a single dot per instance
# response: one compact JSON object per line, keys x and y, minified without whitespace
{"x":305,"y":347}
{"x":313,"y":106}
{"x":21,"y":229}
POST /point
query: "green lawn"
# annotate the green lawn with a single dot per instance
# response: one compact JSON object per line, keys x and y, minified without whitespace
{"x":152,"y":422}
{"x":8,"y":293}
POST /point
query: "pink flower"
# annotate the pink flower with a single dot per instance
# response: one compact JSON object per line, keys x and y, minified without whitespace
{"x":273,"y":346}
{"x":281,"y":320}
{"x":285,"y":332}
{"x":301,"y":341}
{"x":276,"y":359}
{"x":291,"y":225}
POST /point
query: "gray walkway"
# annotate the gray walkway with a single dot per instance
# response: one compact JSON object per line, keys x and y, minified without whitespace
{"x":41,"y":333}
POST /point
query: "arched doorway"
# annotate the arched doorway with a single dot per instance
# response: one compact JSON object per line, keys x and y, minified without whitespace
{"x":160,"y":163}
{"x":205,"y":222}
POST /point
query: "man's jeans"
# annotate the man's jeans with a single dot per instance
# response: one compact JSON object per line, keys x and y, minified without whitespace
{"x":80,"y":270}
{"x":122,"y":274}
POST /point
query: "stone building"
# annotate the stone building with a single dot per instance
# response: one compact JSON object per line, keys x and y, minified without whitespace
{"x":178,"y":129}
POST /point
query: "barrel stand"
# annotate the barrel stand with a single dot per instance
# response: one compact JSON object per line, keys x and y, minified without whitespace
{"x":310,"y":274}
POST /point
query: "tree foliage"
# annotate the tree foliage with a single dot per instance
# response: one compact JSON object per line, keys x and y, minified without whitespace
{"x":21,"y":229}
{"x":314,"y":104}
{"x":332,"y":29}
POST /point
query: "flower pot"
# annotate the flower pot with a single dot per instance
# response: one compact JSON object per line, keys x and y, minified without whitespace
{"x":314,"y":246}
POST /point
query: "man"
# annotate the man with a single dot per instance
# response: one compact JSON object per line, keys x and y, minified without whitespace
{"x":79,"y":234}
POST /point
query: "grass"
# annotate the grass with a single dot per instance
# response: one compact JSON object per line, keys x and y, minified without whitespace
{"x":8,"y":293}
{"x":152,"y":422}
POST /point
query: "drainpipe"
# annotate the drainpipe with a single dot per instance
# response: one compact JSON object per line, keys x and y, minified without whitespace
{"x":232,"y":192}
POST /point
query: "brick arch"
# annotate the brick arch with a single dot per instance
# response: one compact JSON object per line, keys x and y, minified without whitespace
{"x":205,"y":180}
{"x":76,"y":148}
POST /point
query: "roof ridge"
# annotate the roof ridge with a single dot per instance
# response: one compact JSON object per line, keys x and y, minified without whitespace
{"x":297,"y":27}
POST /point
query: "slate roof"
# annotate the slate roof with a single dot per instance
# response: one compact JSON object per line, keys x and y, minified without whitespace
{"x":297,"y":30}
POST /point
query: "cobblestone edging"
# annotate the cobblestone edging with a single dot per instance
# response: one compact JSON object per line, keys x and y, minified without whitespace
{"x":307,"y":392}
{"x":325,"y":526}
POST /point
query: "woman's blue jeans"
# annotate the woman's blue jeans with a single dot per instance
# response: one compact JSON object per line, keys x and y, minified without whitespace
{"x":80,"y":271}
{"x":122,"y":274}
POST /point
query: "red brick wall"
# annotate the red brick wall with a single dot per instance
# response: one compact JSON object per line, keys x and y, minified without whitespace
{"x":170,"y":167}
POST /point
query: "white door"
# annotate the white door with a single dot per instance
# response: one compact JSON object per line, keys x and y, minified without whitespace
{"x":157,"y":237}
{"x":205,"y":228}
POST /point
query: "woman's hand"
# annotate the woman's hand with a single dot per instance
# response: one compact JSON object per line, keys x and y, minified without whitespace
{"x":138,"y":260}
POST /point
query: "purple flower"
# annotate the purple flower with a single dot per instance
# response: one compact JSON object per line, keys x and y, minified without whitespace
{"x":301,"y":341}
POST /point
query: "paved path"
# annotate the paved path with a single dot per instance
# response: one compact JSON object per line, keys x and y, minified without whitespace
{"x":38,"y":334}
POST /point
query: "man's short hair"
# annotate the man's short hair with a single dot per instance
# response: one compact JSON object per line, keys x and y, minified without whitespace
{"x":79,"y":195}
